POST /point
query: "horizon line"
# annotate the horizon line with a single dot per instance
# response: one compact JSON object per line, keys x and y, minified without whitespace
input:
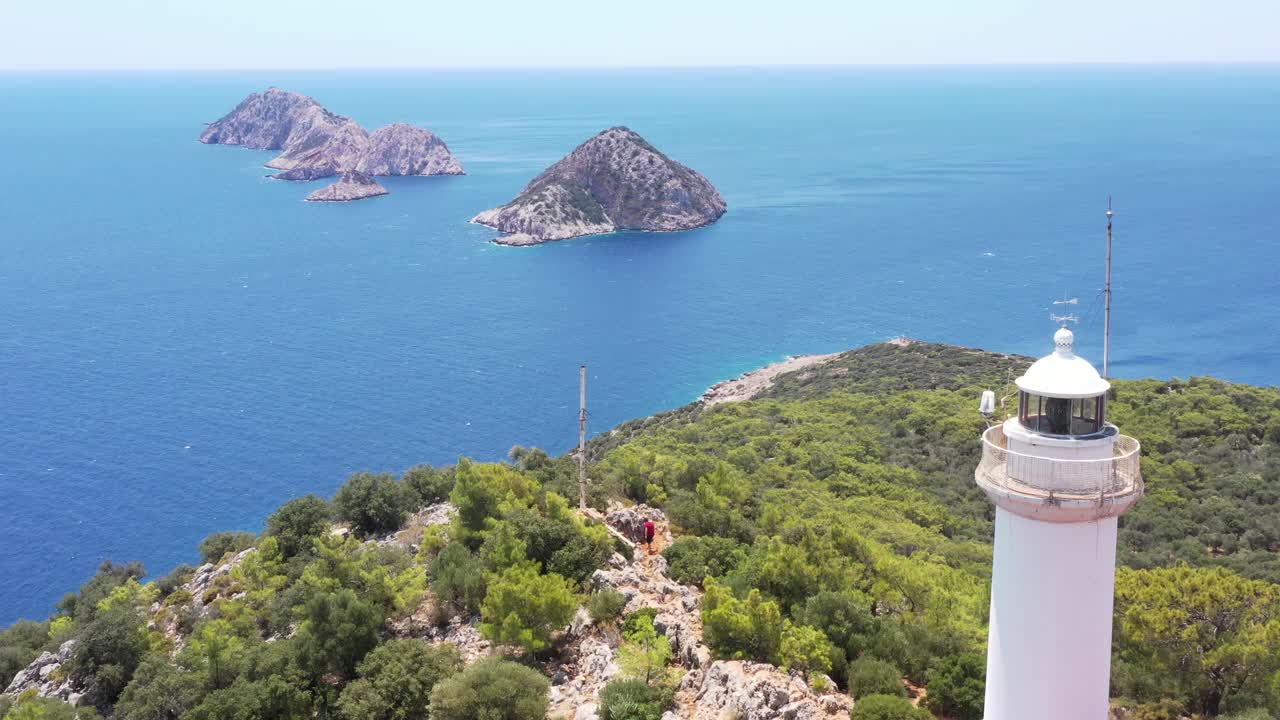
{"x":721,"y":66}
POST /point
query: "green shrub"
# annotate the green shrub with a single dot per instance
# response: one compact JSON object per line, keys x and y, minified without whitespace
{"x":396,"y":680}
{"x":274,"y":697}
{"x":215,"y":546}
{"x":645,"y":654}
{"x":491,"y":689}
{"x":632,"y":700}
{"x":457,"y":578}
{"x":523,"y":608}
{"x":83,"y":605}
{"x":20,"y":643}
{"x":805,"y":649}
{"x":47,"y":709}
{"x":871,"y":676}
{"x":373,"y":504}
{"x":159,"y":690}
{"x":634,"y":621}
{"x":175,"y":579}
{"x":1255,"y":714}
{"x":749,"y":629}
{"x":479,"y":489}
{"x":427,"y":485}
{"x":337,"y":630}
{"x":606,"y":605}
{"x":887,"y":707}
{"x":580,"y":557}
{"x":957,"y":686}
{"x":298,"y":522}
{"x":109,"y":649}
{"x":844,"y":617}
{"x":690,"y":559}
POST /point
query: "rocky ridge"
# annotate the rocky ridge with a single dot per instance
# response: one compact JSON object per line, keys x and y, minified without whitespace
{"x":353,"y":185}
{"x":614,"y":181}
{"x":316,"y":143}
{"x":710,"y":690}
{"x":586,"y":653}
{"x":403,"y":149}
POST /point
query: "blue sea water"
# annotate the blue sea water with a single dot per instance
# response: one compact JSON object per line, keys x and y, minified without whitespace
{"x":185,"y":344}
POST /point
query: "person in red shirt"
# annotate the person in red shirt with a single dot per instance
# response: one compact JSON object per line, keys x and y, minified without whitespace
{"x":648,"y":533}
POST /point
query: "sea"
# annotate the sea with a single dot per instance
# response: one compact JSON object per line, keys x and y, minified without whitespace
{"x":186,"y":344}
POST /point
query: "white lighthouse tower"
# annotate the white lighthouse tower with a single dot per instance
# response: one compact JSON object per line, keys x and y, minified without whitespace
{"x":1060,"y":476}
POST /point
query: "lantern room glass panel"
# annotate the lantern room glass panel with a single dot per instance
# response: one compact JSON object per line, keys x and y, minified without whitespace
{"x":1061,"y":416}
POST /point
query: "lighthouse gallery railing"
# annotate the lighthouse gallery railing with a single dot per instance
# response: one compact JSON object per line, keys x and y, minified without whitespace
{"x":1020,"y":472}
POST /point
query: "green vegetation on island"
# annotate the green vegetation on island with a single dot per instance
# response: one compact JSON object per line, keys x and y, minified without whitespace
{"x":833,"y":526}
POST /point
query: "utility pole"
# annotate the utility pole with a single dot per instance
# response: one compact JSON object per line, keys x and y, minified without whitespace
{"x":582,"y":437}
{"x":1106,"y":323}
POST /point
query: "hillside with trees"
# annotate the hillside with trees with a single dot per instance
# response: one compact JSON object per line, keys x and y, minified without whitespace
{"x":830,"y":528}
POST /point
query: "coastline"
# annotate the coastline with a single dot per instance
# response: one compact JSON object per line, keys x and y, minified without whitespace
{"x":506,"y":239}
{"x":754,"y":382}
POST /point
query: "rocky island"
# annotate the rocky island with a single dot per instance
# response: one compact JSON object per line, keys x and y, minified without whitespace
{"x":614,"y":181}
{"x":353,"y":185}
{"x":316,"y":143}
{"x":403,"y":149}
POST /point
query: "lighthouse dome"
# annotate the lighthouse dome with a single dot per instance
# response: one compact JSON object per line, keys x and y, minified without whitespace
{"x":1062,"y":373}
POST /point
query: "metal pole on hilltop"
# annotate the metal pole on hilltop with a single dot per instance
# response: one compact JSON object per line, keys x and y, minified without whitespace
{"x":1106,"y":327}
{"x":582,"y":437}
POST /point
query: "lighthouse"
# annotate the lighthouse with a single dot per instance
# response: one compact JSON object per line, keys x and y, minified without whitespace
{"x":1060,"y":476}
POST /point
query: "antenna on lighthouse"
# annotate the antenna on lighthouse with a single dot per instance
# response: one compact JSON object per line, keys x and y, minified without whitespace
{"x":1106,"y":323}
{"x":582,"y":437}
{"x":1064,"y":319}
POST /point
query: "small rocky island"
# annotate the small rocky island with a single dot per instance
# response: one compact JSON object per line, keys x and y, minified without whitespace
{"x":316,"y":143}
{"x":353,"y":185}
{"x":614,"y":181}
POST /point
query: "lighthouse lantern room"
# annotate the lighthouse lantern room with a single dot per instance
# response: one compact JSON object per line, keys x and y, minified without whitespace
{"x":1060,"y":476}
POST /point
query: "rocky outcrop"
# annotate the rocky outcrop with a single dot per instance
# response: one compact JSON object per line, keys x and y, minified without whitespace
{"x":307,"y":173}
{"x":47,"y":677}
{"x":324,"y":140}
{"x":463,"y":633}
{"x":308,"y":135}
{"x":588,"y":660}
{"x":614,"y":181}
{"x":316,"y":143}
{"x":755,"y":691}
{"x":403,"y":149}
{"x":265,"y":121}
{"x":645,"y":583}
{"x":351,"y":186}
{"x":710,"y":690}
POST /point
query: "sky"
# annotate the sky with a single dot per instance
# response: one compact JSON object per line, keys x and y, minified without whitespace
{"x":322,"y":34}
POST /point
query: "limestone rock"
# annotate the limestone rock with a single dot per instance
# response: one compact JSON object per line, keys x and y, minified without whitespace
{"x":262,"y":121}
{"x":324,"y":140}
{"x":614,"y":181}
{"x":403,"y":149}
{"x":316,"y":143}
{"x":464,"y":633}
{"x":307,"y":173}
{"x":351,"y":186}
{"x":630,"y":520}
{"x":46,"y":677}
{"x":757,"y":691}
{"x":305,"y":132}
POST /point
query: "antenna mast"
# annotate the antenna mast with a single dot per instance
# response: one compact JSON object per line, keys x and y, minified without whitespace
{"x":582,"y":437}
{"x":1106,"y":326}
